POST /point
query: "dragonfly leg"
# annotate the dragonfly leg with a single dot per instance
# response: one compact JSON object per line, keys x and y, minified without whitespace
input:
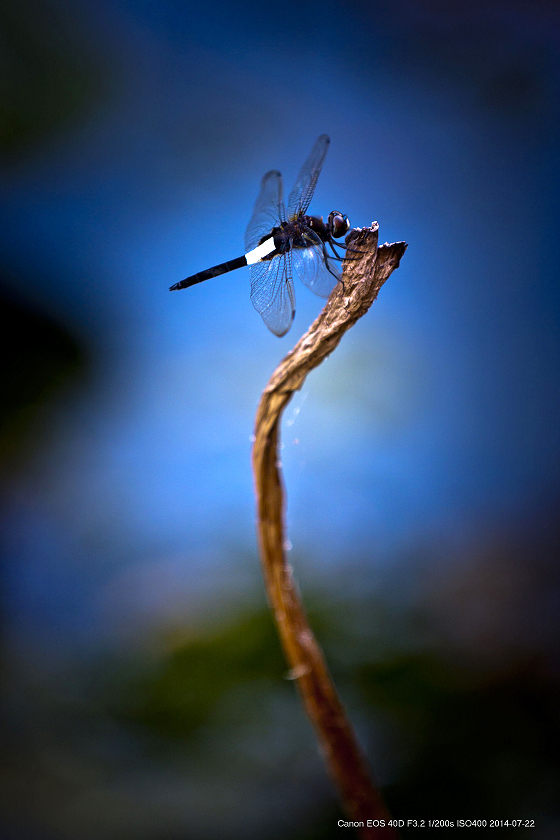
{"x":336,"y":254}
{"x":343,"y":246}
{"x":352,"y":250}
{"x":332,"y":243}
{"x":327,"y":259}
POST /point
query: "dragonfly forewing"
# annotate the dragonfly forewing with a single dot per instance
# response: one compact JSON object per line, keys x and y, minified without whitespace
{"x":268,"y":211}
{"x":300,"y":196}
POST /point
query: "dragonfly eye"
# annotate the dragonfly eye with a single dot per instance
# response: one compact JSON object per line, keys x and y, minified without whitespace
{"x":338,"y":224}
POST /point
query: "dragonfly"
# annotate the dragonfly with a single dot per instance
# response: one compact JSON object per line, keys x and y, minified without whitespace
{"x":279,"y":241}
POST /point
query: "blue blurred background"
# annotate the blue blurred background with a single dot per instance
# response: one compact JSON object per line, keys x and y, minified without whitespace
{"x":143,"y":685}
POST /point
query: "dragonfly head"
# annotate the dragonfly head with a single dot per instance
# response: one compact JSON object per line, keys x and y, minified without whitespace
{"x":338,"y":224}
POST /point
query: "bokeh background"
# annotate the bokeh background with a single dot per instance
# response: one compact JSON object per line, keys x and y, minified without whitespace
{"x":144,"y":691}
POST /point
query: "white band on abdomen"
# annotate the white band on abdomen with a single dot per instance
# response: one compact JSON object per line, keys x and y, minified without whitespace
{"x":260,"y":252}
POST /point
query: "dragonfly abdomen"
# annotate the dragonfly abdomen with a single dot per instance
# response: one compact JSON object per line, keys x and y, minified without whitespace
{"x":215,"y":271}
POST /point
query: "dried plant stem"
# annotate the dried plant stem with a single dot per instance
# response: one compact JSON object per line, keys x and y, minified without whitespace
{"x":362,"y":279}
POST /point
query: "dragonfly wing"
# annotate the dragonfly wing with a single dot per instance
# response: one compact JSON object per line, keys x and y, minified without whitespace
{"x":313,"y":266}
{"x":268,"y":210}
{"x":300,"y":196}
{"x":272,"y":292}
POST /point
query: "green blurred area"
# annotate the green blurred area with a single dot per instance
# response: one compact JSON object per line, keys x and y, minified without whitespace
{"x":440,"y":731}
{"x":182,"y":689}
{"x":50,"y":76}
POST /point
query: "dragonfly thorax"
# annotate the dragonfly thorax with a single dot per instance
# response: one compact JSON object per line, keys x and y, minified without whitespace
{"x":295,"y":233}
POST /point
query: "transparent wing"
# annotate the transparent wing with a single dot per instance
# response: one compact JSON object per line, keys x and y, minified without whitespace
{"x":268,"y":210}
{"x":300,"y":196}
{"x":313,"y":266}
{"x":272,"y":292}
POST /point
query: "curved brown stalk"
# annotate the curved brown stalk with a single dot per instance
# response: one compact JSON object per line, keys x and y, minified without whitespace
{"x":362,"y":279}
